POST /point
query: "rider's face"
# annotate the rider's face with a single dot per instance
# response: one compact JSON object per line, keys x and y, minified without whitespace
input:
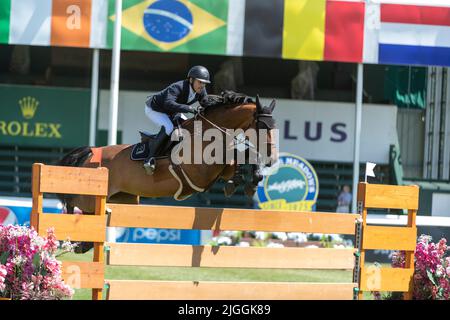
{"x":198,"y":85}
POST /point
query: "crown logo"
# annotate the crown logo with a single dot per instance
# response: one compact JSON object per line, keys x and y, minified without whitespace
{"x":28,"y":105}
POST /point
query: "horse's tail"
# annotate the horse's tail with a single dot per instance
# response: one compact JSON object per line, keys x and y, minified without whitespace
{"x":74,"y":158}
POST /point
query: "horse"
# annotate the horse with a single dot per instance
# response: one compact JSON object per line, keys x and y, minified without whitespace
{"x":128,"y":179}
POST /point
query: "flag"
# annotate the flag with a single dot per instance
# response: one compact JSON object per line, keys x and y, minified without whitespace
{"x":30,"y":22}
{"x":369,"y":170}
{"x":323,"y":30}
{"x":344,"y":31}
{"x":195,"y":26}
{"x":408,"y":34}
{"x":235,"y":27}
{"x":263,"y":28}
{"x":5,"y":10}
{"x":304,"y":29}
{"x":74,"y":23}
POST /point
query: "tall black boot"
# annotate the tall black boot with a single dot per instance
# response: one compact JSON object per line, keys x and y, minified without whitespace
{"x":155,"y":148}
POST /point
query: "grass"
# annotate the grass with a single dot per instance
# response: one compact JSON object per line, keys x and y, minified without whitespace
{"x":210,"y":274}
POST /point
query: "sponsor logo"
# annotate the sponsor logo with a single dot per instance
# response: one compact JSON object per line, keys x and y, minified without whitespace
{"x":149,"y":235}
{"x":28,"y":107}
{"x":7,"y":216}
{"x":291,"y":184}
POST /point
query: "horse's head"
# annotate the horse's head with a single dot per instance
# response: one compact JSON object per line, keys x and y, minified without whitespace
{"x":266,"y":132}
{"x":239,"y":112}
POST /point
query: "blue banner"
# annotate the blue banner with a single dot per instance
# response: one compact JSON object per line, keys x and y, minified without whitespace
{"x":164,"y":236}
{"x":20,"y":215}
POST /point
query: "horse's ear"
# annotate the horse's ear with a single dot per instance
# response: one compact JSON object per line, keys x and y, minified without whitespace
{"x":272,"y":105}
{"x":258,"y":104}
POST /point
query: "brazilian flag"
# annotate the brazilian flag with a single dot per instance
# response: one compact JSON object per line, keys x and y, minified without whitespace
{"x":189,"y":26}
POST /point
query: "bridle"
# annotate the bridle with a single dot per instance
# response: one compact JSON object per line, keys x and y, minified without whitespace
{"x":263,"y":121}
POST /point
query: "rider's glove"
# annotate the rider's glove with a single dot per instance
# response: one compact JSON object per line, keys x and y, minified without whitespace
{"x":192,"y":109}
{"x":189,"y":109}
{"x":200,"y":109}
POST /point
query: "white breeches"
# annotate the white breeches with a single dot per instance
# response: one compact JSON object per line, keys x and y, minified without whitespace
{"x":160,"y":119}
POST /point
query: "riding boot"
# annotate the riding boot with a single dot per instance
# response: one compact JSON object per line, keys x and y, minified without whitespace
{"x":155,"y":148}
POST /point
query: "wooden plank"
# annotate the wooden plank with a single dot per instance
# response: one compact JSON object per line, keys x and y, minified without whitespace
{"x":173,"y":217}
{"x":72,"y":180}
{"x":391,"y":197}
{"x":188,"y":290}
{"x":38,"y":198}
{"x":386,"y":279}
{"x":77,"y":227}
{"x":133,"y":254}
{"x":389,"y":238}
{"x":99,"y":255}
{"x":79,"y":274}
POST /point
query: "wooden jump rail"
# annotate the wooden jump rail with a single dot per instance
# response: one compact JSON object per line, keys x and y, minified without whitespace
{"x":53,"y":179}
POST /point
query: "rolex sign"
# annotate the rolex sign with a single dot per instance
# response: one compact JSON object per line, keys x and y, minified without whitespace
{"x":44,"y":116}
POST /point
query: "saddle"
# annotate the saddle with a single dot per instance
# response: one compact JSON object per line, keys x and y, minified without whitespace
{"x":140,"y":150}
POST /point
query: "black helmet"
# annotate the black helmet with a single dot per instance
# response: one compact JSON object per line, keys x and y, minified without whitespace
{"x":200,"y":73}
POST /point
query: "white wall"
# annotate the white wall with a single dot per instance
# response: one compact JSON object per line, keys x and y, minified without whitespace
{"x":440,"y":206}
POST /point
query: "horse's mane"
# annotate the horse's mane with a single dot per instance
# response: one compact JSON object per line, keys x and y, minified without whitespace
{"x":226,"y":98}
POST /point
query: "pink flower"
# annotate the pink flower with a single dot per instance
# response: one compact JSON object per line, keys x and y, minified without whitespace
{"x":440,"y":271}
{"x":2,"y":277}
{"x":430,"y":261}
{"x":31,"y":270}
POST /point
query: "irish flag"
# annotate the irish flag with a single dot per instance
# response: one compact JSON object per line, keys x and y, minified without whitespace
{"x":417,"y":33}
{"x":77,"y":23}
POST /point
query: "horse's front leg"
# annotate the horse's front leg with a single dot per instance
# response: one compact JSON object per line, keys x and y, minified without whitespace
{"x":233,"y":178}
{"x":250,"y":188}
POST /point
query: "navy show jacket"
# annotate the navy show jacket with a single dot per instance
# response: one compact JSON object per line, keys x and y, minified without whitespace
{"x":173,"y":99}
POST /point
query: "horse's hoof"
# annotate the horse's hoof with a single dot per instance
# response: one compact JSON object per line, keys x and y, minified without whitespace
{"x":229,"y":188}
{"x":83,"y":247}
{"x":249,"y":190}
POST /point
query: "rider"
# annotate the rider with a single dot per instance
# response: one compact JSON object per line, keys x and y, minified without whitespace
{"x":162,"y":107}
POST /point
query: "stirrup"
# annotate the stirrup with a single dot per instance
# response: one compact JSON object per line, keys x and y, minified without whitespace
{"x":150,"y":166}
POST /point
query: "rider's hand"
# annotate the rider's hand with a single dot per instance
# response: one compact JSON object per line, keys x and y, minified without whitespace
{"x":200,"y":109}
{"x":190,"y":109}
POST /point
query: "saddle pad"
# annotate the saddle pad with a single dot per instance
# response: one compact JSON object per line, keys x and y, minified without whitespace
{"x":140,"y":151}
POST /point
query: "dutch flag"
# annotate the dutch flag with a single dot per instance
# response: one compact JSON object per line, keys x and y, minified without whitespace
{"x":413,"y":33}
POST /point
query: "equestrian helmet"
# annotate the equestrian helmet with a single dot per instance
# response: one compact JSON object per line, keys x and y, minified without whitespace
{"x":200,"y":73}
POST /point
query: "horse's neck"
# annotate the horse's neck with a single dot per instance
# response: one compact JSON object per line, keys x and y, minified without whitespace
{"x":237,"y":117}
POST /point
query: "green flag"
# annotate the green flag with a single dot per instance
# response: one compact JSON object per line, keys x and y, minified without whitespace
{"x":191,"y":26}
{"x":5,"y":12}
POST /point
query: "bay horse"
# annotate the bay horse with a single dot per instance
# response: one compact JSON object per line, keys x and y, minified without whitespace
{"x":128,"y":179}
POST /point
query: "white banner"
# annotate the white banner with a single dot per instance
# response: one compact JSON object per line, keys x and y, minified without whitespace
{"x":324,"y":131}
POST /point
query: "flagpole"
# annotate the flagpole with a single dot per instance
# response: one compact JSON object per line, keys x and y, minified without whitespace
{"x":115,"y":74}
{"x":94,"y":97}
{"x":356,"y":146}
{"x":114,"y":92}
